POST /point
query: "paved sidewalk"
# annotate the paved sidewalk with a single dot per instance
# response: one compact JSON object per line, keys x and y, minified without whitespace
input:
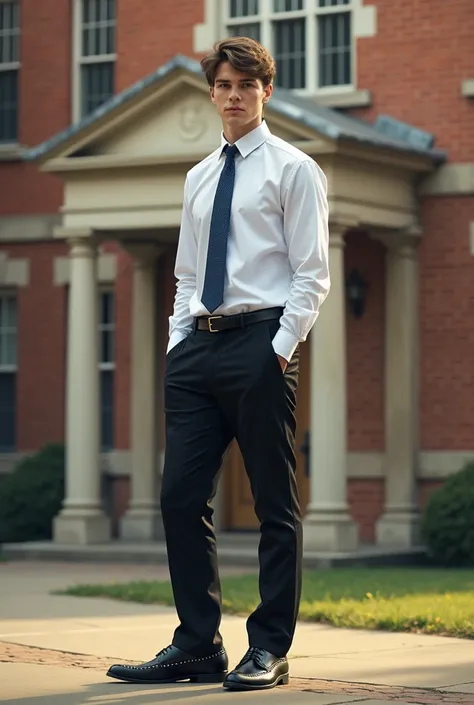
{"x":54,"y":650}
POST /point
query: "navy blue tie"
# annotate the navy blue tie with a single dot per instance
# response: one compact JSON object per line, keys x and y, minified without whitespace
{"x":213,"y":290}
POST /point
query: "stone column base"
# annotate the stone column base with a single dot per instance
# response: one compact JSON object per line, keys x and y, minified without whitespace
{"x":81,"y":528}
{"x":142,"y":525}
{"x":329,"y":532}
{"x":399,"y":529}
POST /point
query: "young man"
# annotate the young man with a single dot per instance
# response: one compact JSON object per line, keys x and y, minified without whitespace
{"x":252,"y":271}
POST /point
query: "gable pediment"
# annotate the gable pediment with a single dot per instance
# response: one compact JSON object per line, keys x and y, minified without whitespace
{"x":174,"y":121}
{"x":177,"y":124}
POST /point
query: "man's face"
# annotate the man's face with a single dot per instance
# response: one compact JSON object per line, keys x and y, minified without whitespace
{"x":239,"y":99}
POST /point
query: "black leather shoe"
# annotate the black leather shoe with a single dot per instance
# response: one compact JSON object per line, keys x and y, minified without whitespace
{"x":172,"y":665}
{"x":258,"y":670}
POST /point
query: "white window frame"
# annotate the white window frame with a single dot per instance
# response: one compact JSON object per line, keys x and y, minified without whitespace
{"x":78,"y":61}
{"x":310,"y":13}
{"x":12,"y":65}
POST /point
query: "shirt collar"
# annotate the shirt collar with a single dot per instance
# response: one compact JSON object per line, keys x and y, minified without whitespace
{"x":249,"y":142}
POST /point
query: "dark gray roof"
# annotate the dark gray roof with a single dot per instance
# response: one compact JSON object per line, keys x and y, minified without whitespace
{"x":385,"y":132}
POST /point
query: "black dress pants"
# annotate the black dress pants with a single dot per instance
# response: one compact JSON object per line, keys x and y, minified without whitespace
{"x":221,"y":386}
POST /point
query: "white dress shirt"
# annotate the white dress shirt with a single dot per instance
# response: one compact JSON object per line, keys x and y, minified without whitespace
{"x":277,"y":251}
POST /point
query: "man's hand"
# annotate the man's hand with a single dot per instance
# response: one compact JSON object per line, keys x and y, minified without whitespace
{"x":283,"y":363}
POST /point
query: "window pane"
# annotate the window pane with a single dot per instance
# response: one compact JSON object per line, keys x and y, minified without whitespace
{"x":97,"y":85}
{"x":98,"y":28}
{"x":9,"y":32}
{"x":7,"y":411}
{"x":106,"y":307}
{"x":110,"y":40}
{"x":107,"y":409}
{"x":8,"y":331}
{"x":287,"y":5}
{"x":243,"y":8}
{"x":106,"y":327}
{"x":111,"y":9}
{"x":8,"y":106}
{"x":106,"y":346}
{"x":290,"y":44}
{"x":251,"y":30}
{"x":10,"y":308}
{"x":335,"y":64}
{"x":9,"y":348}
{"x":333,"y":3}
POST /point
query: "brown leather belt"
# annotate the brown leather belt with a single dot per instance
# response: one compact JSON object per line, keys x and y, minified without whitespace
{"x":218,"y":324}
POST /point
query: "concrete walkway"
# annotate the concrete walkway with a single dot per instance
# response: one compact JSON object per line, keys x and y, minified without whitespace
{"x":54,"y":650}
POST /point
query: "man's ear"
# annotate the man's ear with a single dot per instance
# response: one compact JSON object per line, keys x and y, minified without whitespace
{"x":211,"y":93}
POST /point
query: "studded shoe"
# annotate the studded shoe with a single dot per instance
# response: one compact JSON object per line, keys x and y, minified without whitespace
{"x":171,"y":665}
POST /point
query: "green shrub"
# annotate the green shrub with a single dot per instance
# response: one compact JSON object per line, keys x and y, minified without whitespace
{"x":448,"y":520}
{"x":32,"y":495}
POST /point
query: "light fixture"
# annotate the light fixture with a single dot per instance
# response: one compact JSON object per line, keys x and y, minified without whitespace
{"x":356,"y":288}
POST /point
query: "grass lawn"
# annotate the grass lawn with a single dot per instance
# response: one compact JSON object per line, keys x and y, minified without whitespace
{"x":432,"y":601}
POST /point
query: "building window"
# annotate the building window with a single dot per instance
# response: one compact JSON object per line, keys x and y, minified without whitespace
{"x":9,"y":69}
{"x":311,"y":40}
{"x":95,"y":48}
{"x":8,"y":372}
{"x":107,"y":367}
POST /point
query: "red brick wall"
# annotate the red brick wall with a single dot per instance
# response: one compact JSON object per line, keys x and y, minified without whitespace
{"x":366,"y":501}
{"x":41,"y":349}
{"x":151,"y":33}
{"x":414,"y":67}
{"x":425,"y":488}
{"x":44,"y":103}
{"x":365,"y":347}
{"x":446,"y":325}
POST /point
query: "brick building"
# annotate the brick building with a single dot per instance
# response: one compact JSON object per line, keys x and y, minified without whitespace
{"x":102,"y":112}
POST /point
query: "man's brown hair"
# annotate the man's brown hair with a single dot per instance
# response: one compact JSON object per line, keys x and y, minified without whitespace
{"x":243,"y":54}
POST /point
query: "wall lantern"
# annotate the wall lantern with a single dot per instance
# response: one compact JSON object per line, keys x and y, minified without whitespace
{"x":356,"y":288}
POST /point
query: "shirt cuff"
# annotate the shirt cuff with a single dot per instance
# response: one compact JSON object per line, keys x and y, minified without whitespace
{"x":176,"y":337}
{"x":285,"y":344}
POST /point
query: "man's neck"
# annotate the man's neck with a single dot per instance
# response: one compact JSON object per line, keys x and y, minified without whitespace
{"x":232,"y":134}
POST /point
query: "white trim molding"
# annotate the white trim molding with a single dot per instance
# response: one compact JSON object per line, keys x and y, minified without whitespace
{"x":365,"y":465}
{"x":27,"y":228}
{"x":440,"y":464}
{"x":432,"y":465}
{"x":13,"y":271}
{"x":345,"y":99}
{"x":106,"y":269}
{"x":455,"y":179}
{"x":467,"y":88}
{"x":9,"y":461}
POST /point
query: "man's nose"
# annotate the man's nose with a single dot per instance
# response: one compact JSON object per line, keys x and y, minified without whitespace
{"x":234,"y":93}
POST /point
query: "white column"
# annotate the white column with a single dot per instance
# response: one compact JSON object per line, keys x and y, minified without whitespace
{"x":142,"y":521}
{"x":82,"y":521}
{"x":327,"y":525}
{"x":399,"y":524}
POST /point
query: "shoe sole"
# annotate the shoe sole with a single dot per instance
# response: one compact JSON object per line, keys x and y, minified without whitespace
{"x":281,"y":680}
{"x":196,"y":678}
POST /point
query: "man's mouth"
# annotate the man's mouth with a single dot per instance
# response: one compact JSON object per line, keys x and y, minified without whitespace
{"x":234,"y":110}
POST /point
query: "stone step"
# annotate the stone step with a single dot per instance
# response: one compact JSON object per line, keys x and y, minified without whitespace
{"x":238,"y":549}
